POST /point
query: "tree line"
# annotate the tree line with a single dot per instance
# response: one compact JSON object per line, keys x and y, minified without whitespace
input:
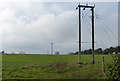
{"x":110,"y":50}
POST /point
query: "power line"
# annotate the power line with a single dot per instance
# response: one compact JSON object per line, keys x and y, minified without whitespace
{"x":67,"y":23}
{"x":104,"y":27}
{"x":107,"y":33}
{"x":86,"y":25}
{"x":98,"y":17}
{"x":84,"y":16}
{"x":108,"y":30}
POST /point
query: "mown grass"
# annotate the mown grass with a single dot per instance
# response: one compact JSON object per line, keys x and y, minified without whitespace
{"x":26,"y":66}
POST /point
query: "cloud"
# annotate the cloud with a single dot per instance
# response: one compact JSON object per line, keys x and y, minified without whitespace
{"x":28,"y":31}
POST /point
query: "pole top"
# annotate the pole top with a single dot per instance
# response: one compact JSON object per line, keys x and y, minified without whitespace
{"x":85,"y":6}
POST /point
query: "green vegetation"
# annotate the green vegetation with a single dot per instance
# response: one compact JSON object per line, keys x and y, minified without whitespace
{"x":113,"y":69}
{"x":31,"y":66}
{"x":110,"y":50}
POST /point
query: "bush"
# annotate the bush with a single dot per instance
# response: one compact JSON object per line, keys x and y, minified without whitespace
{"x":113,"y":69}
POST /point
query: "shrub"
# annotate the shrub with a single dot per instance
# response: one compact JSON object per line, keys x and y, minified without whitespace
{"x":113,"y":69}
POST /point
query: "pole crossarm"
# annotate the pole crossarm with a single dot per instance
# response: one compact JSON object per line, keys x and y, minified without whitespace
{"x":85,"y":6}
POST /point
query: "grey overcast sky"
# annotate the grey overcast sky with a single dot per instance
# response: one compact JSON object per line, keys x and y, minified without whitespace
{"x":32,"y":26}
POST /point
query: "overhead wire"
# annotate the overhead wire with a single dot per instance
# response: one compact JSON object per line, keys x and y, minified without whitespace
{"x":67,"y":23}
{"x":107,"y":33}
{"x":103,"y":30}
{"x":97,"y":36}
{"x":100,"y":19}
{"x":86,"y":25}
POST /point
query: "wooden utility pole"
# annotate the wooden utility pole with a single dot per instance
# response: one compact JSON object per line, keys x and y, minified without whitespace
{"x":52,"y":48}
{"x":93,"y":58}
{"x":79,"y":52}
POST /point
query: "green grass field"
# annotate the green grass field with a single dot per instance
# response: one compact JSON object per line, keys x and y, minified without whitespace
{"x":33,"y":66}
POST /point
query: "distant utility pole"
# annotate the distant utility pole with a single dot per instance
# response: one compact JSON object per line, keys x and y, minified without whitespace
{"x":92,"y":9}
{"x":52,"y":48}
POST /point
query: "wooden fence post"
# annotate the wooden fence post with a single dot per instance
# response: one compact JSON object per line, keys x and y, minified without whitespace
{"x":103,"y":68}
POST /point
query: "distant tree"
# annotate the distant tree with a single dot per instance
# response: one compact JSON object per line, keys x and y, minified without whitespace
{"x":111,"y":50}
{"x":70,"y":53}
{"x":106,"y":51}
{"x":76,"y":53}
{"x":118,"y":48}
{"x":115,"y":50}
{"x":3,"y":52}
{"x":57,"y":53}
{"x":98,"y":51}
{"x":89,"y":51}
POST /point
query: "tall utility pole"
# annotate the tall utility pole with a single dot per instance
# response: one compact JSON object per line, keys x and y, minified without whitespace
{"x":79,"y":52}
{"x":52,"y":48}
{"x":93,"y":58}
